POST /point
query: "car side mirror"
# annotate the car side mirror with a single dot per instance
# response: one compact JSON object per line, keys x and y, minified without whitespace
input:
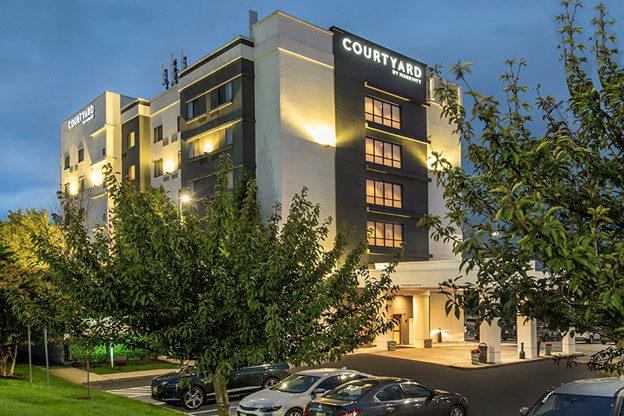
{"x":317,"y":392}
{"x":524,"y":411}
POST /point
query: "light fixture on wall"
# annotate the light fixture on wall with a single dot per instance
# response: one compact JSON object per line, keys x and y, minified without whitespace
{"x":170,"y":166}
{"x":73,"y":188}
{"x":208,"y":147}
{"x":97,"y":178}
{"x":323,"y":135}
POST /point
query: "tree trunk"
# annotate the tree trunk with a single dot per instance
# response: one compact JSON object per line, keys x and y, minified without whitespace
{"x":4,"y":357}
{"x":13,"y":360}
{"x":88,"y":379}
{"x":219,"y":382}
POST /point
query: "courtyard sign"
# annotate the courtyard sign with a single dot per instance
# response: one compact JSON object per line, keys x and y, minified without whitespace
{"x":82,"y":117}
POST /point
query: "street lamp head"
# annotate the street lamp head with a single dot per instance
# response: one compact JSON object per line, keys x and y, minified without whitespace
{"x":184,"y":198}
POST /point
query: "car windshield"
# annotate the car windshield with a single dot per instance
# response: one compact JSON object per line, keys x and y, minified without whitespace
{"x":351,"y":391}
{"x":573,"y":405}
{"x":296,"y":383}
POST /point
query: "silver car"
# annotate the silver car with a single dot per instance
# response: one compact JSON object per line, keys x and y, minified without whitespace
{"x":595,"y":397}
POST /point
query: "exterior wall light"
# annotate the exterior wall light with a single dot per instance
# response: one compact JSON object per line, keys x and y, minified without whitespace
{"x":97,"y":178}
{"x":169,"y":166}
{"x":184,"y":198}
{"x":208,"y":147}
{"x":323,"y":135}
{"x":73,"y":188}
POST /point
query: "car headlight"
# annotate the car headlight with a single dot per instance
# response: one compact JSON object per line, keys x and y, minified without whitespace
{"x":270,"y":409}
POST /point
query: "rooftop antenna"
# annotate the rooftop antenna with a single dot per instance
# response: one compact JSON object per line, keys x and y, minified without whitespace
{"x":165,"y":76}
{"x":174,"y":69}
{"x":183,"y":60}
{"x":253,"y":19}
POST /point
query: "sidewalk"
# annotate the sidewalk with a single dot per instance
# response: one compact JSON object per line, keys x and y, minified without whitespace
{"x":78,"y":376}
{"x":454,"y":355}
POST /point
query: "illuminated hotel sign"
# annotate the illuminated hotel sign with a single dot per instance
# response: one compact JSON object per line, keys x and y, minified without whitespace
{"x":404,"y":69}
{"x":380,"y":67}
{"x":82,"y":117}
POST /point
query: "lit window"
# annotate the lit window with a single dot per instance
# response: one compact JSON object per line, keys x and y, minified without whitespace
{"x":383,"y":153}
{"x":81,"y":155}
{"x":158,"y":168}
{"x":158,"y":133}
{"x":384,"y":234}
{"x":384,"y":193}
{"x":128,"y":141}
{"x":193,"y":149}
{"x":131,"y":173}
{"x":382,"y":112}
{"x":66,"y":162}
{"x":81,"y":184}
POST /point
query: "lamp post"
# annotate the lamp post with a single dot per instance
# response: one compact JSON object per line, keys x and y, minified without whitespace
{"x":184,"y":199}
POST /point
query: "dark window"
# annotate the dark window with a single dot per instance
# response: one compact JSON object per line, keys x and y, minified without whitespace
{"x":158,"y":133}
{"x":104,"y":152}
{"x":414,"y":391}
{"x":81,"y":155}
{"x":224,"y":93}
{"x":131,"y":172}
{"x":66,"y":162}
{"x":228,"y":135}
{"x":382,"y":112}
{"x":195,"y":107}
{"x":81,"y":184}
{"x":390,"y":393}
{"x":384,"y":234}
{"x":383,"y":153}
{"x":66,"y":189}
{"x":128,"y":141}
{"x":384,"y":193}
{"x":158,"y":168}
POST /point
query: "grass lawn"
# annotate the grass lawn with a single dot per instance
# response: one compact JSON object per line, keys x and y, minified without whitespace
{"x":107,"y":369}
{"x":17,"y":397}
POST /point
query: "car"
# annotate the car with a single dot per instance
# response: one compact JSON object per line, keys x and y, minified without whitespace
{"x":595,"y":396}
{"x":387,"y":396}
{"x":588,"y":337}
{"x":290,"y":396}
{"x":189,"y":388}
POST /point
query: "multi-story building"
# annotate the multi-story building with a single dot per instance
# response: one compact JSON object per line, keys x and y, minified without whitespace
{"x":294,"y":105}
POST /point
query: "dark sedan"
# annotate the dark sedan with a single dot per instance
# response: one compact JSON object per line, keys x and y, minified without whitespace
{"x":189,"y":388}
{"x":387,"y":396}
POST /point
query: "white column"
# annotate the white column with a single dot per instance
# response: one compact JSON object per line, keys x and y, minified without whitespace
{"x":421,"y":321}
{"x":381,"y":341}
{"x":527,"y":334}
{"x":568,"y":343}
{"x":491,"y":335}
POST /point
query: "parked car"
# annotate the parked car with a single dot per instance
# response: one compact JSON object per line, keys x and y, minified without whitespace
{"x":189,"y":387}
{"x":508,"y":332}
{"x":547,"y":334}
{"x":588,"y":337}
{"x":596,"y":397}
{"x":290,"y":396}
{"x":387,"y":396}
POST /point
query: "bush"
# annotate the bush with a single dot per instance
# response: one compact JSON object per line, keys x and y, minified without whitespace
{"x":101,"y":353}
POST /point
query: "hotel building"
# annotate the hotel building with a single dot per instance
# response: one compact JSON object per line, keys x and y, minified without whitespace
{"x":294,"y":105}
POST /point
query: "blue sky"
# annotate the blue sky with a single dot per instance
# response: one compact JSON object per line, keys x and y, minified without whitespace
{"x":58,"y":55}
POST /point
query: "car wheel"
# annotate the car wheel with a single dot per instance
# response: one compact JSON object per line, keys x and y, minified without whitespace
{"x":270,"y":382}
{"x":294,"y":412}
{"x":193,"y":398}
{"x":457,"y":411}
{"x":591,"y":339}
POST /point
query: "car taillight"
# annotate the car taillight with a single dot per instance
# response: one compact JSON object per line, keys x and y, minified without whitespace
{"x":305,"y":411}
{"x":351,"y":412}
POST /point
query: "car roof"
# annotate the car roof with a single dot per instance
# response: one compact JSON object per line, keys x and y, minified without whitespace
{"x":602,"y":387}
{"x":323,"y":372}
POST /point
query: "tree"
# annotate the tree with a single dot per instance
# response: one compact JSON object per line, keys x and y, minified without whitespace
{"x":226,"y":288}
{"x":26,"y":297}
{"x":551,"y":195}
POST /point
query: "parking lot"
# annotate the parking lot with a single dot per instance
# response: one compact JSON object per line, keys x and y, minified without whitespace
{"x":493,"y":391}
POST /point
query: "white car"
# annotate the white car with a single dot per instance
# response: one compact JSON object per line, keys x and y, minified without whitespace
{"x":291,"y":395}
{"x":588,"y":337}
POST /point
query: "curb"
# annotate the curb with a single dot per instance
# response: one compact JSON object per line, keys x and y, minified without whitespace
{"x":531,"y":360}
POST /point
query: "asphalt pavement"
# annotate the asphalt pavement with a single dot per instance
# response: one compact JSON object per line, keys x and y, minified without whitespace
{"x":498,"y":391}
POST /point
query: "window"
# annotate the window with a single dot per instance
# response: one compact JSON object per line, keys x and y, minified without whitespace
{"x":351,"y":391}
{"x":81,"y":155}
{"x":228,"y":136}
{"x":131,"y":172}
{"x":66,"y":189}
{"x":385,"y":234}
{"x":383,"y":153}
{"x":158,"y":168}
{"x":296,"y":383}
{"x":193,"y":149}
{"x":128,"y":141}
{"x":390,"y":393}
{"x":331,"y":383}
{"x":66,"y":162}
{"x":158,"y":133}
{"x":573,"y":404}
{"x":104,"y":152}
{"x":196,"y":107}
{"x":414,"y":391}
{"x":81,"y":184}
{"x":384,"y":193}
{"x":224,"y":93}
{"x":382,"y":112}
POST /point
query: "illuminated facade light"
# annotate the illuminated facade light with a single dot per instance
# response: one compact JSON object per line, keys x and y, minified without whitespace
{"x":73,"y":188}
{"x":184,"y":198}
{"x":97,"y":178}
{"x":170,"y":166}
